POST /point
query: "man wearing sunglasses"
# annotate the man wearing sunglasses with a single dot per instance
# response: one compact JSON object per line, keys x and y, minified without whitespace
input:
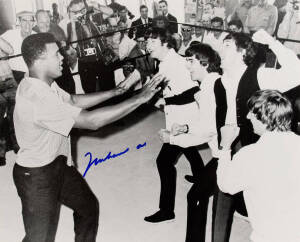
{"x":186,"y":32}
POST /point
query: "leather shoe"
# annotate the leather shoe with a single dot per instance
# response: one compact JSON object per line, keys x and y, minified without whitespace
{"x":160,"y":216}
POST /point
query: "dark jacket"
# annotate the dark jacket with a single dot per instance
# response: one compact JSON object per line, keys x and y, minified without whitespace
{"x":140,"y":31}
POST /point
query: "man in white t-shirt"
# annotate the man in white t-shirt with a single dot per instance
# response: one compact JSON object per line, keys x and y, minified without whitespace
{"x":15,"y":38}
{"x":44,"y":116}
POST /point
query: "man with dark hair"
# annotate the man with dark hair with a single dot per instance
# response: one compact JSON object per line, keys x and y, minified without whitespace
{"x":267,"y":171}
{"x":144,"y":21}
{"x":204,"y":66}
{"x":235,"y":25}
{"x":180,"y":107}
{"x":173,"y":27}
{"x":215,"y":38}
{"x":44,"y":116}
{"x":243,"y":75}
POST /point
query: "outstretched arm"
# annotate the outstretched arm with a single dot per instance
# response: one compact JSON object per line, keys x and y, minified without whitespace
{"x":102,"y":116}
{"x":89,"y":100}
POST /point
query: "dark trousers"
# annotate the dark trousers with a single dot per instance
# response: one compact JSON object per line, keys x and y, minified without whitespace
{"x":166,"y":161}
{"x":197,"y":203}
{"x":224,"y":206}
{"x":42,"y":191}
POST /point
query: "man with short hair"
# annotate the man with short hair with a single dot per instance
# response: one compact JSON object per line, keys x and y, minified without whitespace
{"x":144,"y":20}
{"x":241,"y":11}
{"x":15,"y":38}
{"x":173,"y":27}
{"x":180,"y":107}
{"x":262,"y":16}
{"x":44,"y":116}
{"x":235,"y":25}
{"x":215,"y":38}
{"x":186,"y":32}
{"x":268,"y":171}
{"x":44,"y":25}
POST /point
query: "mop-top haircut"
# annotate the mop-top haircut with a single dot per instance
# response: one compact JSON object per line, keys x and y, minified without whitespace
{"x":34,"y":46}
{"x":164,"y":36}
{"x":205,"y":52}
{"x":255,"y":53}
{"x":273,"y":109}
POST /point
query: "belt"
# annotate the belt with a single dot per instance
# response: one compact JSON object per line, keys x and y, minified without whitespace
{"x":184,"y":98}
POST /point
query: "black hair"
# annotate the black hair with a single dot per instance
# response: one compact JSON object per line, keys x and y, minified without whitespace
{"x":217,"y":20}
{"x":143,"y":6}
{"x":164,"y":35}
{"x":255,"y":52}
{"x":163,"y":1}
{"x":34,"y":46}
{"x":237,"y":22}
{"x":204,"y":50}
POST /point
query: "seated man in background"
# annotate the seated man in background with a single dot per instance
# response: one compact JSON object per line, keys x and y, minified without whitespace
{"x":267,"y":171}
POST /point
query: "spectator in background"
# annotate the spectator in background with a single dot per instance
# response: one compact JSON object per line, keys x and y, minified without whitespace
{"x":262,"y":16}
{"x":215,"y":38}
{"x":15,"y":38}
{"x":144,"y":19}
{"x":144,"y":64}
{"x":290,"y":26}
{"x":44,"y":25}
{"x":161,"y":22}
{"x":281,"y":7}
{"x":241,"y":11}
{"x":123,"y":15}
{"x":199,"y":32}
{"x":235,"y":25}
{"x":186,"y":32}
{"x":64,"y":23}
{"x":208,"y":11}
{"x":178,"y":39}
{"x":219,"y":10}
{"x":173,"y":27}
{"x":8,"y":87}
{"x":56,"y":17}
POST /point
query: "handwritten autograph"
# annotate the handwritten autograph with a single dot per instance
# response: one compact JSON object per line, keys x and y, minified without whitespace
{"x":96,"y":161}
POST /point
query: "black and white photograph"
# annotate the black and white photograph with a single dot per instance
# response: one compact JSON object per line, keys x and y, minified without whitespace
{"x":150,"y":120}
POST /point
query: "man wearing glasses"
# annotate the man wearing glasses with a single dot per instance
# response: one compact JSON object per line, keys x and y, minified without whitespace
{"x":15,"y":38}
{"x":186,"y":32}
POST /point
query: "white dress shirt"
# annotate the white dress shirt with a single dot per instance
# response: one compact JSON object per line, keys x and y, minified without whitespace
{"x":43,"y":119}
{"x":173,"y":67}
{"x":268,"y":174}
{"x":77,"y":80}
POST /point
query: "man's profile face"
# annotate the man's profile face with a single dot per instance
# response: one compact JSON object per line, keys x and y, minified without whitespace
{"x":163,"y":7}
{"x":154,"y":47}
{"x":43,"y":22}
{"x":52,"y":59}
{"x":144,"y":13}
{"x":228,"y":54}
{"x":258,"y":127}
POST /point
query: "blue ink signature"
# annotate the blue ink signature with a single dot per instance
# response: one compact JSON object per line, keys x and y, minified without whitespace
{"x":96,"y":161}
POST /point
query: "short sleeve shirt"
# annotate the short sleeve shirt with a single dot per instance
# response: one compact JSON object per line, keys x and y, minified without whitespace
{"x":43,"y":119}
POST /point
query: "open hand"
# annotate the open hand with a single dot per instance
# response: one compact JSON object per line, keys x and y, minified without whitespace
{"x":151,"y":88}
{"x":130,"y":81}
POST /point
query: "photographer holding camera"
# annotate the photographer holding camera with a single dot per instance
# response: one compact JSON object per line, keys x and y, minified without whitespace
{"x":290,"y":26}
